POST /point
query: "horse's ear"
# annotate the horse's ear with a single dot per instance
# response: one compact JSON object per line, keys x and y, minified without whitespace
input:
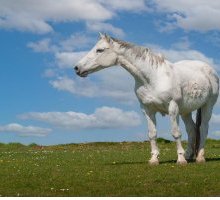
{"x":101,"y":35}
{"x":105,"y":36}
{"x":108,"y":38}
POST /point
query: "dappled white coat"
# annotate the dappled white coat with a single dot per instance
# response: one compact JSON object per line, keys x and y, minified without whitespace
{"x":161,"y":86}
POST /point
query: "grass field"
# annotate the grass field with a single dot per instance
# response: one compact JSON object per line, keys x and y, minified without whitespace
{"x":105,"y":169}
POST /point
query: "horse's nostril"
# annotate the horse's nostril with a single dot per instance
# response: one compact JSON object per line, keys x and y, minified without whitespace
{"x":76,"y":68}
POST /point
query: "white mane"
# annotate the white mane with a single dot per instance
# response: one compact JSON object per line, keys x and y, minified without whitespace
{"x":140,"y":52}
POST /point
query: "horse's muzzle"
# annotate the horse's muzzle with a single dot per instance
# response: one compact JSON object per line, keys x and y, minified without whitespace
{"x":81,"y":74}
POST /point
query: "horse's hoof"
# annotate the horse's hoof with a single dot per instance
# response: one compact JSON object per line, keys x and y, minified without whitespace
{"x":154,"y":162}
{"x":181,"y":162}
{"x":200,"y":160}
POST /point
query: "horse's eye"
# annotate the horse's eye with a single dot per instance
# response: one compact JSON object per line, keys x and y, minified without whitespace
{"x":99,"y":50}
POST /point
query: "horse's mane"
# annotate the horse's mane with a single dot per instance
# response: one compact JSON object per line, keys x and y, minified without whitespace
{"x":141,"y":52}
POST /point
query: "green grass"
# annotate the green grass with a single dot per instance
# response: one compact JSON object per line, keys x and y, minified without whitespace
{"x":105,"y":169}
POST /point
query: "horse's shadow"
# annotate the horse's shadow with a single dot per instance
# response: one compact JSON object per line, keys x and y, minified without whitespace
{"x":190,"y":161}
{"x":212,"y":159}
{"x":161,"y":162}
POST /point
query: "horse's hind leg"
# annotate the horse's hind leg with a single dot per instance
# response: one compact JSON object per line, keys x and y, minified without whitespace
{"x":191,"y":131}
{"x":206,"y":113}
{"x":174,"y":117}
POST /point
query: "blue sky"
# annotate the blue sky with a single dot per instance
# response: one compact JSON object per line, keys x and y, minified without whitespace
{"x":43,"y":101}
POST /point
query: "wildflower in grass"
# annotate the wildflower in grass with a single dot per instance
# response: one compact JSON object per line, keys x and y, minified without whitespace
{"x":63,"y":189}
{"x":90,"y":172}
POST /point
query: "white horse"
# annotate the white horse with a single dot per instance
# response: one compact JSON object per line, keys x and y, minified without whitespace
{"x":161,"y":86}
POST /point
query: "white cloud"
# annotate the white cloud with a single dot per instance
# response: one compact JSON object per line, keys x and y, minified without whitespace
{"x":25,"y":130}
{"x":129,"y":5}
{"x":36,"y":16}
{"x":114,"y":83}
{"x":199,"y":15}
{"x":44,"y":45}
{"x":78,"y":87}
{"x":182,"y":51}
{"x":182,"y":44}
{"x":50,"y":73}
{"x":75,"y":41}
{"x":68,"y":59}
{"x":69,"y":44}
{"x":10,"y":20}
{"x":102,"y":118}
{"x":28,"y":15}
{"x":105,"y":27}
{"x":190,"y":54}
{"x":215,"y":119}
{"x":63,"y":50}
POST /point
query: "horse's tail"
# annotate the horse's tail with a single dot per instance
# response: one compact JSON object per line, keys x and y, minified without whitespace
{"x":198,"y":124}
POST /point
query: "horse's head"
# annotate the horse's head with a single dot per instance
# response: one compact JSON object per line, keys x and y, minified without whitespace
{"x":99,"y":57}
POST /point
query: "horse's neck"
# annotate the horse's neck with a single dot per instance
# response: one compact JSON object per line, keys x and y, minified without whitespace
{"x":135,"y":68}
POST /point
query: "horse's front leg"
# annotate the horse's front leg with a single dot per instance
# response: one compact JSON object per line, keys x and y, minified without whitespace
{"x":174,"y":117}
{"x":152,"y":133}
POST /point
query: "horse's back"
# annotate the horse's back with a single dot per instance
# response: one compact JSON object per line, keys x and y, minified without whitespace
{"x":190,"y":70}
{"x":194,"y":66}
